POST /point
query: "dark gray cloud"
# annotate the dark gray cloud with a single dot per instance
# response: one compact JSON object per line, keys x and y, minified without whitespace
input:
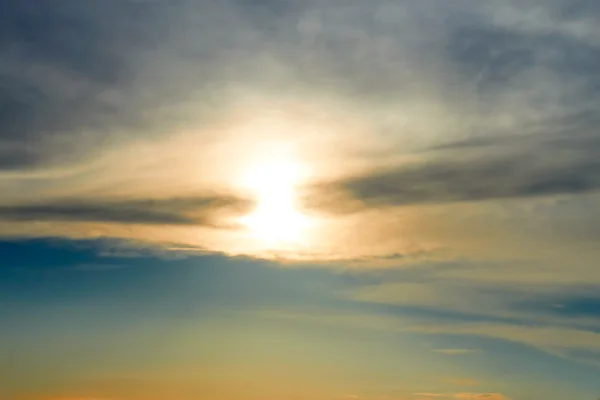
{"x":59,"y":64}
{"x":534,"y":89}
{"x":76,"y":75}
{"x":176,"y":211}
{"x":505,"y":58}
{"x":99,"y":66}
{"x":487,"y":169}
{"x":72,"y":74}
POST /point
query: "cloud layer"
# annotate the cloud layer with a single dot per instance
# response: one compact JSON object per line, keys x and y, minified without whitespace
{"x":435,"y":131}
{"x":182,"y":211}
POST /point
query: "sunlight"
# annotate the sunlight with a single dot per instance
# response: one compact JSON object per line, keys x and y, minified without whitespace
{"x":276,"y":220}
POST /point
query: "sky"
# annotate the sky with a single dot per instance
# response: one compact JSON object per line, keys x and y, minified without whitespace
{"x":299,"y":200}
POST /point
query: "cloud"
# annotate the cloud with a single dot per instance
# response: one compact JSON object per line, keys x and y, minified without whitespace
{"x":519,"y":302}
{"x":56,"y":69}
{"x":498,"y":170}
{"x":456,"y":352}
{"x":461,"y":132}
{"x":578,"y":344}
{"x":79,"y":79}
{"x":553,"y":340}
{"x":393,"y":104}
{"x":176,"y":211}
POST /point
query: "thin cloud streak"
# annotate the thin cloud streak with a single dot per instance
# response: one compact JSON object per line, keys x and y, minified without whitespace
{"x":176,"y":211}
{"x":456,"y":352}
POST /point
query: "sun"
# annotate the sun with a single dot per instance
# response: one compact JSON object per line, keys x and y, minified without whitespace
{"x":276,"y":221}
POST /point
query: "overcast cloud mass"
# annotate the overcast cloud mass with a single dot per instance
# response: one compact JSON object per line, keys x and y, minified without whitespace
{"x":388,"y":199}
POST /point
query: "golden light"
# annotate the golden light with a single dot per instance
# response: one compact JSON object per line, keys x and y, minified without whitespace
{"x":276,"y":221}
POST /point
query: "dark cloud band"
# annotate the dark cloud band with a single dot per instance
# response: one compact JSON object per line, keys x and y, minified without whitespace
{"x":179,"y":211}
{"x":489,"y":170}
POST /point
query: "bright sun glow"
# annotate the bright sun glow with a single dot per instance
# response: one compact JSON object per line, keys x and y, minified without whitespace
{"x":276,"y":220}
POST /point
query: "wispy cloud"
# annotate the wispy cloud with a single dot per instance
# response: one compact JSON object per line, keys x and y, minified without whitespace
{"x":559,"y":341}
{"x":176,"y":211}
{"x":450,"y":148}
{"x":457,"y":352}
{"x":566,"y":167}
{"x":481,"y":88}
